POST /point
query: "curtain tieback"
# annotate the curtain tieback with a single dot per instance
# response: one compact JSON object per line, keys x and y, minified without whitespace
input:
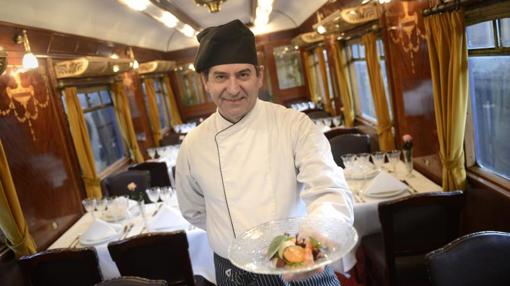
{"x":451,"y":164}
{"x":383,"y":129}
{"x":91,"y":181}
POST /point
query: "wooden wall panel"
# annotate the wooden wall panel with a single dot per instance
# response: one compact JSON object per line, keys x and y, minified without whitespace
{"x":407,"y":60}
{"x":39,"y":157}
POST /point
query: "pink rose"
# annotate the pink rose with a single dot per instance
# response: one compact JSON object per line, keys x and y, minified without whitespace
{"x":407,"y":138}
{"x":131,"y":186}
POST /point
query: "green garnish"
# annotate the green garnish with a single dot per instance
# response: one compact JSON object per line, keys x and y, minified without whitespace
{"x":275,"y":245}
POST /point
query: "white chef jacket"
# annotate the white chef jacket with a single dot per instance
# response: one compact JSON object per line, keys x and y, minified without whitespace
{"x":272,"y":164}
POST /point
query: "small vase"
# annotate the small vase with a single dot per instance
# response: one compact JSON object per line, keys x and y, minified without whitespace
{"x":408,"y":160}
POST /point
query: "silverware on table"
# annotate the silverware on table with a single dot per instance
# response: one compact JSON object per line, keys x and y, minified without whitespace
{"x":127,"y":230}
{"x":157,"y":210}
{"x":411,"y":189}
{"x":75,"y":241}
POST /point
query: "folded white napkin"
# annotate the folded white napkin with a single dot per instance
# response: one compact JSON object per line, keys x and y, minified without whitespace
{"x":384,"y":183}
{"x":100,"y":230}
{"x":168,"y":218}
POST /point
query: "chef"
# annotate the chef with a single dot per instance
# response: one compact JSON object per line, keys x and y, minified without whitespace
{"x":252,"y":161}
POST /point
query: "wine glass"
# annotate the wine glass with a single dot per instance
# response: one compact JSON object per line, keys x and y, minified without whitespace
{"x":337,"y":120}
{"x":151,"y":152}
{"x":153,"y":194}
{"x":378,"y":159}
{"x":90,"y":206}
{"x":102,"y":204}
{"x":165,"y":193}
{"x":394,"y":157}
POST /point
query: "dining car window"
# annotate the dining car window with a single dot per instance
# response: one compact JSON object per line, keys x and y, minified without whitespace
{"x":190,"y":86}
{"x":489,"y":70}
{"x":360,"y":81}
{"x":161,"y":96}
{"x":316,"y":72}
{"x":102,"y":126}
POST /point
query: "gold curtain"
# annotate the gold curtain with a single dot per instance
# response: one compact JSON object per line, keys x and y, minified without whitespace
{"x":12,"y":221}
{"x":175,"y":117}
{"x":386,"y":141}
{"x":81,"y":141}
{"x":448,"y":63}
{"x":123,"y":114}
{"x":311,"y":79}
{"x":319,"y":51}
{"x":343,"y":84}
{"x":153,"y":110}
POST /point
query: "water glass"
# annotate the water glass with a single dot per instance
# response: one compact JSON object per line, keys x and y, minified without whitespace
{"x":151,"y":152}
{"x":378,"y":159}
{"x":102,"y":204}
{"x":90,"y":206}
{"x":153,"y":194}
{"x":394,"y":157}
{"x":165,"y":193}
{"x":348,"y":160}
{"x":337,"y":120}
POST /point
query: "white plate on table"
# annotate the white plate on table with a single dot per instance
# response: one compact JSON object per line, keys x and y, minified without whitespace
{"x":249,"y":250}
{"x":353,"y":175}
{"x":86,"y":242}
{"x":385,"y":194}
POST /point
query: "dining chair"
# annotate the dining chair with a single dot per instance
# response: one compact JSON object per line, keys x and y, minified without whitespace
{"x":411,"y":227}
{"x":170,"y":139}
{"x":116,"y":184}
{"x":481,"y":258}
{"x":337,"y":131}
{"x":316,"y":114}
{"x":161,"y":255}
{"x":132,"y":281}
{"x":62,"y":267}
{"x":349,"y":143}
{"x":158,"y":173}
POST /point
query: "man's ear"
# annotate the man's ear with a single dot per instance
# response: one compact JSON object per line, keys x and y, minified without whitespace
{"x":260,"y":78}
{"x":204,"y":82}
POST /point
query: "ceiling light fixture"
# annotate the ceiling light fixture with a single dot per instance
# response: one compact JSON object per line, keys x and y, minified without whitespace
{"x":29,"y":60}
{"x":213,"y":5}
{"x":168,"y":19}
{"x":262,"y":12}
{"x":137,"y":5}
{"x":186,"y":29}
{"x":131,"y":55}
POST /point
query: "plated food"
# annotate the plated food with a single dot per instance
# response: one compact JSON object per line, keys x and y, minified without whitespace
{"x":291,"y":251}
{"x":290,"y":242}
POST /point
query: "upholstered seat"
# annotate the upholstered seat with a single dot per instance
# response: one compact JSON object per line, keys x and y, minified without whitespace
{"x":116,"y":184}
{"x":316,"y":114}
{"x":155,"y":256}
{"x":337,"y":131}
{"x":158,"y":173}
{"x":62,"y":267}
{"x":132,"y":281}
{"x":170,"y":139}
{"x":410,"y":227}
{"x":349,"y":143}
{"x":481,"y":258}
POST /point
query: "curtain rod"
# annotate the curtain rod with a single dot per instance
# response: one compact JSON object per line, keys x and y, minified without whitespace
{"x":444,"y":7}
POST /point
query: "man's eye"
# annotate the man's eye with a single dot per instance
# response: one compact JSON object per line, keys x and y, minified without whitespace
{"x":244,"y":75}
{"x":220,"y":77}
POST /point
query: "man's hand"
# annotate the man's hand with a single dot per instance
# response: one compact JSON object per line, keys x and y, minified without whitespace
{"x":302,"y":275}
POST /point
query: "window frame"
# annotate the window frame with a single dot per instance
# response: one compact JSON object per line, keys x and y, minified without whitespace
{"x":124,"y":159}
{"x":353,"y":80}
{"x":474,"y":170}
{"x":163,"y":93}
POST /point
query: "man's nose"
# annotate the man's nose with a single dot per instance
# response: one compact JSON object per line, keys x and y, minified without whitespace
{"x":233,"y":86}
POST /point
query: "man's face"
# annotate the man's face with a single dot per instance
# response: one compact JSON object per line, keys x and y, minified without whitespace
{"x":233,"y":88}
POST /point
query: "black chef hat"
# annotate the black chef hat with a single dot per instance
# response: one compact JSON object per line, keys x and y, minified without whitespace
{"x":230,"y":43}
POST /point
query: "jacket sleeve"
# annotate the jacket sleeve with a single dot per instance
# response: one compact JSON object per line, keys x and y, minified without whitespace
{"x":325,"y":192}
{"x":189,"y":195}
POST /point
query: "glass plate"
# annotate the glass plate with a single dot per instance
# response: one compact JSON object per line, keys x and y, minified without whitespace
{"x":249,"y":250}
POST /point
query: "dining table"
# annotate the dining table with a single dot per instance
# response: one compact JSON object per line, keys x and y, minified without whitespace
{"x":200,"y":252}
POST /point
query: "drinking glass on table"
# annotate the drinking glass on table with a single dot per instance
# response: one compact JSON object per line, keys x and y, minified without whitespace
{"x":153,"y":194}
{"x":337,"y":120}
{"x":151,"y":152}
{"x":165,"y":194}
{"x":394,"y":157}
{"x":378,"y":159}
{"x":102,"y":205}
{"x":90,"y":206}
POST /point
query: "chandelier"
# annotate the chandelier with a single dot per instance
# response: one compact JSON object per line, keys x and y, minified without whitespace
{"x":213,"y":5}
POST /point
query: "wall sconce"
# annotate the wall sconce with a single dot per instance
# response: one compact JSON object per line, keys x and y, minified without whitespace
{"x":3,"y":60}
{"x":29,"y":60}
{"x":213,"y":5}
{"x":135,"y":65}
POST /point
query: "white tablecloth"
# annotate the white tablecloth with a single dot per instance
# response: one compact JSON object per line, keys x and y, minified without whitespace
{"x":200,"y":252}
{"x":366,"y":214}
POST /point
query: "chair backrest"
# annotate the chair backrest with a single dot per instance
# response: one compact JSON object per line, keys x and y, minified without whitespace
{"x":333,"y":132}
{"x":158,"y":173}
{"x":349,"y":143}
{"x":116,"y":184}
{"x":417,"y":224}
{"x":132,"y":281}
{"x":316,"y":114}
{"x":62,"y":267}
{"x":155,"y":256}
{"x":170,"y":139}
{"x":481,"y":258}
